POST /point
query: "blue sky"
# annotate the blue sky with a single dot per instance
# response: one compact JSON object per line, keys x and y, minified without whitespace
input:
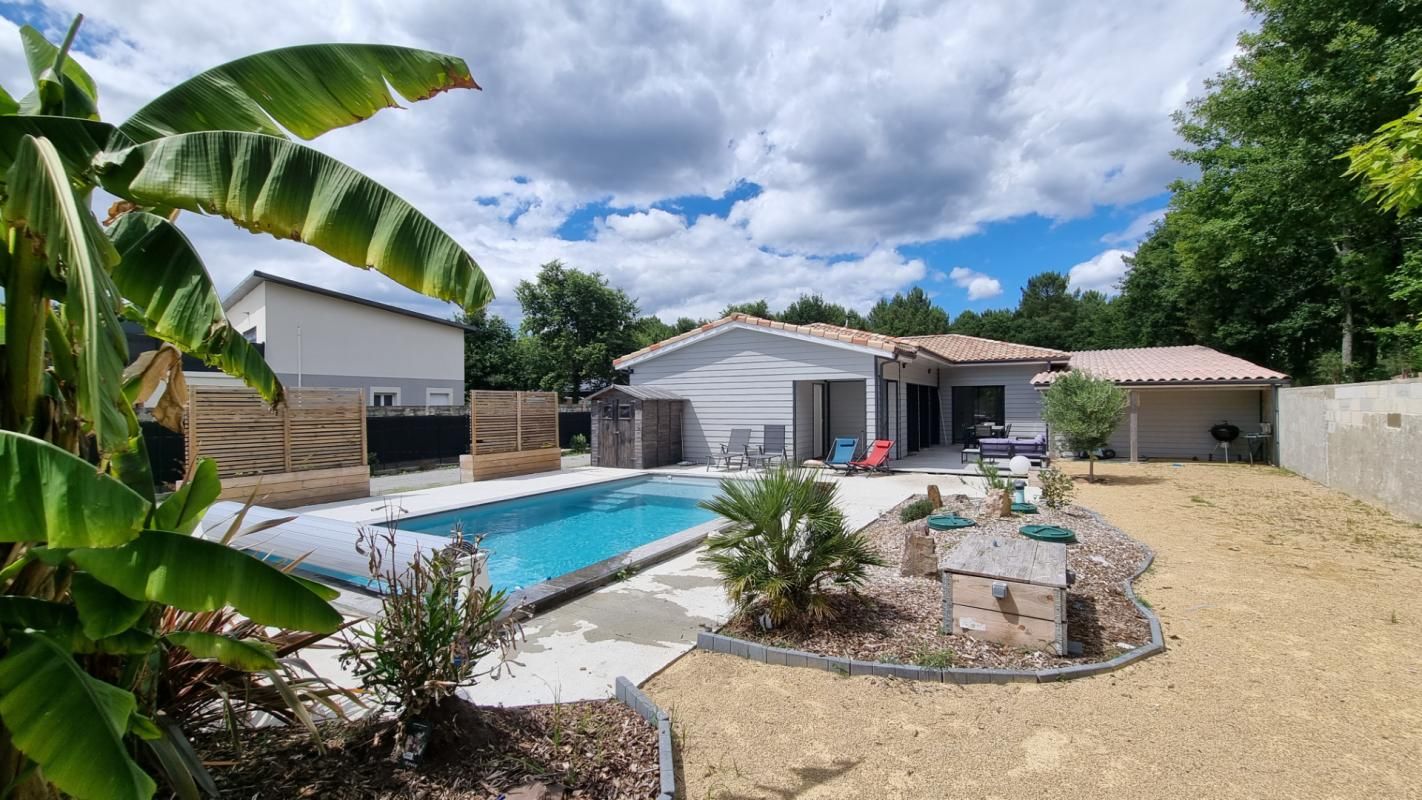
{"x":704,"y":154}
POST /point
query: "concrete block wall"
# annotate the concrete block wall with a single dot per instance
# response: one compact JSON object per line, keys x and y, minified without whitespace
{"x":1361,"y":438}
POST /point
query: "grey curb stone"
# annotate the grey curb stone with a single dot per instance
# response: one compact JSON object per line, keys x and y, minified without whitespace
{"x":629,"y":695}
{"x":857,"y":667}
{"x":756,"y":652}
{"x":776,"y":656}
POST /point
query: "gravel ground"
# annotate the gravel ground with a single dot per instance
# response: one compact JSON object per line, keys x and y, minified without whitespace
{"x":898,"y":619}
{"x":1292,"y":619}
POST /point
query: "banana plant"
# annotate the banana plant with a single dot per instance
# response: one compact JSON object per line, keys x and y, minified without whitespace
{"x":91,"y":561}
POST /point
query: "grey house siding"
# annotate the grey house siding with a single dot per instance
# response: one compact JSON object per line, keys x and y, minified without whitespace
{"x":1022,"y":403}
{"x":412,"y":390}
{"x":746,"y":378}
{"x":1175,"y":423}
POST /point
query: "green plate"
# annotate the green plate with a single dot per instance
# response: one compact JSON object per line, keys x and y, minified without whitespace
{"x":1024,"y":508}
{"x":947,"y":522}
{"x":1047,"y":533}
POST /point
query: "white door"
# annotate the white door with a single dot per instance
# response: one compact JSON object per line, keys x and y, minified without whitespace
{"x":439,"y":397}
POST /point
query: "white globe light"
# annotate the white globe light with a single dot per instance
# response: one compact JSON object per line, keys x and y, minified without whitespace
{"x":1019,"y":465}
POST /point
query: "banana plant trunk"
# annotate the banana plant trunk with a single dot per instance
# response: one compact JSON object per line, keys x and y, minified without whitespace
{"x":24,"y":335}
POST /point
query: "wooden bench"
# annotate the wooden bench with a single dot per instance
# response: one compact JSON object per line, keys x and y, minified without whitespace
{"x":1010,"y":590}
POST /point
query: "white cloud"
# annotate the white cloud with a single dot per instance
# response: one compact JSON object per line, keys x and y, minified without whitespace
{"x":979,"y":286}
{"x":1137,"y":230}
{"x":645,"y":226}
{"x":868,"y":127}
{"x":1102,"y":273}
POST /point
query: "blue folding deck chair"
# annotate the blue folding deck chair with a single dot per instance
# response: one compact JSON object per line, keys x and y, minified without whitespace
{"x":841,"y":453}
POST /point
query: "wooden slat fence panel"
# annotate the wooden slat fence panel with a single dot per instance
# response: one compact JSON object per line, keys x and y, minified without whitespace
{"x":317,"y":429}
{"x":512,"y":433}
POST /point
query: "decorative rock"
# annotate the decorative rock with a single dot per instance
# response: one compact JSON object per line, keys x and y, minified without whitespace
{"x":998,"y":503}
{"x":934,"y":496}
{"x":920,"y":556}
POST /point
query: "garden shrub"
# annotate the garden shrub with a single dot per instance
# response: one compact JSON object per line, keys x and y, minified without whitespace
{"x":916,"y":510}
{"x":578,"y":444}
{"x":786,"y":548}
{"x":1057,"y":488}
{"x":435,"y":625}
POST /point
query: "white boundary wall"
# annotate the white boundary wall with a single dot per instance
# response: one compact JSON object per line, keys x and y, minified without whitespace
{"x":1361,"y":438}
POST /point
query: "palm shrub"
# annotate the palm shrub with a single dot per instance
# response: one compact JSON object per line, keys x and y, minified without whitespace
{"x":786,"y":547}
{"x":91,"y":563}
{"x":1082,"y":411}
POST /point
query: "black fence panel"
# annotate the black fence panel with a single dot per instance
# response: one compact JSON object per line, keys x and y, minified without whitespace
{"x":416,"y":440}
{"x":166,"y":452}
{"x":571,"y":423}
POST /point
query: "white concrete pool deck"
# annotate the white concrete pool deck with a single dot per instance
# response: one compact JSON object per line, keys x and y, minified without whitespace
{"x":634,"y":627}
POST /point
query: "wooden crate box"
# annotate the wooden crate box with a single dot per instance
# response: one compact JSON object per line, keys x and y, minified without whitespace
{"x":1010,"y":590}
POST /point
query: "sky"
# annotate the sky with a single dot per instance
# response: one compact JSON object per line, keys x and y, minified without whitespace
{"x":699,"y":154}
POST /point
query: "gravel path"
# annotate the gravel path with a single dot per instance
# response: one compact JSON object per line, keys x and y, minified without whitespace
{"x":1293,"y":624}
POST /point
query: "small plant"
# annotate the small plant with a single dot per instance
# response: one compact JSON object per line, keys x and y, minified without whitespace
{"x":787,"y":545}
{"x":992,"y":474}
{"x":1057,"y":488}
{"x":934,"y":657}
{"x":436,"y":623}
{"x":916,"y":510}
{"x":578,"y":444}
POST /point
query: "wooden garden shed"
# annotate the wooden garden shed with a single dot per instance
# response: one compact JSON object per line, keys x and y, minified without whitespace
{"x":636,"y":427}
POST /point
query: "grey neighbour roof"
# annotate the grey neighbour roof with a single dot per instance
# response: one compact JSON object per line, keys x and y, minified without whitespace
{"x":250,"y":282}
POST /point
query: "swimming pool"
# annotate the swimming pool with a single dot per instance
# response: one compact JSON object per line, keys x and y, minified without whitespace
{"x":533,"y":539}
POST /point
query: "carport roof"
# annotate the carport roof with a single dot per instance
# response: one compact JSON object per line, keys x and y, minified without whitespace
{"x":1188,"y":364}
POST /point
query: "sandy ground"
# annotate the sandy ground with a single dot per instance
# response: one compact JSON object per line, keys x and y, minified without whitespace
{"x":1293,"y":622}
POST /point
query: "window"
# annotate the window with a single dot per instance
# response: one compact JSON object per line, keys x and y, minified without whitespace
{"x":250,"y":334}
{"x":439,"y":397}
{"x":624,"y":411}
{"x":384,"y":396}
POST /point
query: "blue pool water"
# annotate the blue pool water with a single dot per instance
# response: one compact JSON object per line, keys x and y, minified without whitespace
{"x":536,"y":538}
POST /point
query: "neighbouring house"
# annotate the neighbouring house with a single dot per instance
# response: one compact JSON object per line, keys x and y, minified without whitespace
{"x":927,"y":393}
{"x":316,"y":337}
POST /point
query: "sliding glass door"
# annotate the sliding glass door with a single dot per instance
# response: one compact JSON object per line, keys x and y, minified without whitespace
{"x":976,"y":405}
{"x":922,"y":417}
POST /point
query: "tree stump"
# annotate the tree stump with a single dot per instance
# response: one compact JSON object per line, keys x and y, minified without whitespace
{"x":934,"y":496}
{"x":920,"y":556}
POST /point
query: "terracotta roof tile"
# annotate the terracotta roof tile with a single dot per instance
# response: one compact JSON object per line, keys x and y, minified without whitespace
{"x":958,"y":348}
{"x":1184,"y":364}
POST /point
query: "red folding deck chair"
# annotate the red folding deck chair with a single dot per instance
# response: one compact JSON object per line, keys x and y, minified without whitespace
{"x":876,"y":460}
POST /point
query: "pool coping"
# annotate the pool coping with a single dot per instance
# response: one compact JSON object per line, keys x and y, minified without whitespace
{"x":780,"y":656}
{"x":629,"y":695}
{"x":556,"y":591}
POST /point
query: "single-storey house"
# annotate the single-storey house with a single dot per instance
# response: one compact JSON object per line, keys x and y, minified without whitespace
{"x":927,"y":393}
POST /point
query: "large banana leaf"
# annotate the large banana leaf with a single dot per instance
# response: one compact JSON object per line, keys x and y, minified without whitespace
{"x":308,"y":90}
{"x":275,"y":186}
{"x":60,"y":622}
{"x":248,"y":655}
{"x":182,"y":510}
{"x":103,"y":612}
{"x":78,"y":141}
{"x":69,"y":723}
{"x":39,"y":55}
{"x":50,"y":495}
{"x":198,"y":575}
{"x":43,"y":205}
{"x":161,"y":273}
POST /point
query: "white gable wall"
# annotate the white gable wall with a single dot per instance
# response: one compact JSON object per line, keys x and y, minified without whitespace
{"x":745,"y":379}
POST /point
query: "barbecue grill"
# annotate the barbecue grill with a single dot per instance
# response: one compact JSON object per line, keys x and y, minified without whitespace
{"x":1224,"y":433}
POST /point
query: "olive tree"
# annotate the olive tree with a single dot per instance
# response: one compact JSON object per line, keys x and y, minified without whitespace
{"x":1082,"y":410}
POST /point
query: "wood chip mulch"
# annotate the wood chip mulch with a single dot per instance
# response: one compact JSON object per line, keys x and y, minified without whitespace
{"x":897,"y":619}
{"x":593,"y":750}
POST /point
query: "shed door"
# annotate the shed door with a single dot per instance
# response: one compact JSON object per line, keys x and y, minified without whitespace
{"x":615,"y":439}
